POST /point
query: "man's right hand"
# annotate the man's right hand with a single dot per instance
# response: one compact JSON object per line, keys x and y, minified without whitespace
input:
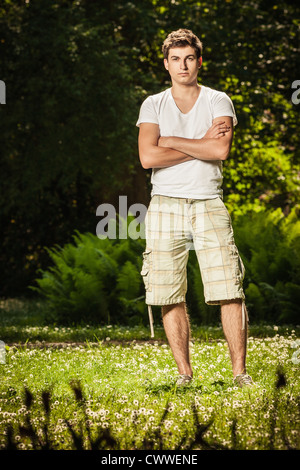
{"x":217,"y":130}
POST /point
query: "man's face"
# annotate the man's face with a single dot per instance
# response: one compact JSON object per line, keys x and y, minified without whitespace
{"x":183,"y":65}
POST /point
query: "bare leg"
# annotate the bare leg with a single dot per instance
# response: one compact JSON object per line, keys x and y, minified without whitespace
{"x":231,"y":315}
{"x":177,"y":328}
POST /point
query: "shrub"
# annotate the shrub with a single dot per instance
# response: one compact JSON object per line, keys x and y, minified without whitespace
{"x":269,"y":243}
{"x":98,"y":280}
{"x":94,"y":280}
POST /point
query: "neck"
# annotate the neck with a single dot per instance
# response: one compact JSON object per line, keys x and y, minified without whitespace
{"x":185,"y":91}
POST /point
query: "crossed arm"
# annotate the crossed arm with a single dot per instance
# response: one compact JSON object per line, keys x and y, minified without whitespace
{"x":162,"y":152}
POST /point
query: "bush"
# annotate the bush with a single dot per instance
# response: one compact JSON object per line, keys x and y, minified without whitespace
{"x":98,"y":280}
{"x":269,"y":243}
{"x":94,"y":280}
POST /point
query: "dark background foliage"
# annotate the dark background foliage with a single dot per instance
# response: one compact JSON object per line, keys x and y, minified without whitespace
{"x":76,"y":73}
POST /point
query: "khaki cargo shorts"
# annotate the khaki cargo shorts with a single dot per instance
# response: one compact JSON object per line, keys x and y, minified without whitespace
{"x":174,"y":226}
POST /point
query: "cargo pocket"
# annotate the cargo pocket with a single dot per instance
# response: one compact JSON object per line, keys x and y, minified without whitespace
{"x":145,"y":272}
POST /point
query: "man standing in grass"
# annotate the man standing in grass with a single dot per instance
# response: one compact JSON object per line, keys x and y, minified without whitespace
{"x":185,"y":133}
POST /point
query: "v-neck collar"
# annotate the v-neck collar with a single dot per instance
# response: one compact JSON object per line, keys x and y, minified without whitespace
{"x":194,"y":105}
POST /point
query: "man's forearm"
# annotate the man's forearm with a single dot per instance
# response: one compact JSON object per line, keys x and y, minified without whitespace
{"x":202,"y":149}
{"x":163,"y":157}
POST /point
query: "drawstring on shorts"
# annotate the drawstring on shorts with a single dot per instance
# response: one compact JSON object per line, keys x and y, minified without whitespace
{"x":151,"y":321}
{"x":245,"y":317}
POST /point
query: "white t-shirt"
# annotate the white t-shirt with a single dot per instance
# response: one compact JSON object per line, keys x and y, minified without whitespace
{"x":194,"y":179}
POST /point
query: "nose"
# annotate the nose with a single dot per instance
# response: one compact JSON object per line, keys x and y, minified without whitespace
{"x":183,"y":65}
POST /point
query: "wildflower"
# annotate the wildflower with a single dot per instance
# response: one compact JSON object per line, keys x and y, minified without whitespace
{"x":168,"y":423}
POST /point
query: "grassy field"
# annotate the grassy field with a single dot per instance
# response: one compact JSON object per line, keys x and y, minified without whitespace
{"x":111,"y":387}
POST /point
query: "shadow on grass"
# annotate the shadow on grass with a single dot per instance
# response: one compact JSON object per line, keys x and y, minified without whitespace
{"x":82,"y":439}
{"x":195,"y":386}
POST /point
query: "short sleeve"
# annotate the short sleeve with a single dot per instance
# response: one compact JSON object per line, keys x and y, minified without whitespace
{"x":223,"y":106}
{"x":147,"y":112}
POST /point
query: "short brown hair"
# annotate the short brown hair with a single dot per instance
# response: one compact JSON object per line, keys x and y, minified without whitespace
{"x":182,"y":38}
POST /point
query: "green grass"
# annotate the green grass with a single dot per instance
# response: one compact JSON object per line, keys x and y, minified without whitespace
{"x":23,"y":321}
{"x":113,"y":388}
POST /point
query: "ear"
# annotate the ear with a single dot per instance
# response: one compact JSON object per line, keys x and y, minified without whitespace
{"x":200,"y":61}
{"x":166,"y":64}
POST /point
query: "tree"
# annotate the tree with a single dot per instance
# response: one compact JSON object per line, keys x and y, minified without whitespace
{"x":76,"y":73}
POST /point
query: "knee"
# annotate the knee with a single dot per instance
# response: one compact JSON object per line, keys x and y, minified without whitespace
{"x":231,"y":302}
{"x":180,"y":307}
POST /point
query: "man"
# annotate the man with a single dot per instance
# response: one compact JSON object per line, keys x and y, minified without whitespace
{"x":185,"y":132}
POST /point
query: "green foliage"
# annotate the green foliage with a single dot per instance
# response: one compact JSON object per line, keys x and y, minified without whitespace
{"x":275,"y":176}
{"x":94,"y":280}
{"x":100,"y":396}
{"x":98,"y":280}
{"x":270,"y":247}
{"x":72,"y":103}
{"x":42,"y":438}
{"x":76,"y":73}
{"x":269,"y":244}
